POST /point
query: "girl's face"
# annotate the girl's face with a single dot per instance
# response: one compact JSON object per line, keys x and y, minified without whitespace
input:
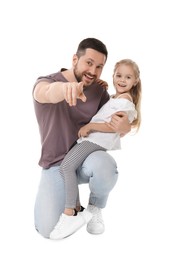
{"x":124,"y":78}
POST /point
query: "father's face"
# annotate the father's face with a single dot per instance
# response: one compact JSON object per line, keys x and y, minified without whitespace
{"x":88,"y":67}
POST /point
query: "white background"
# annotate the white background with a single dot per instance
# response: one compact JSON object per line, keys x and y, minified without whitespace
{"x":40,"y":37}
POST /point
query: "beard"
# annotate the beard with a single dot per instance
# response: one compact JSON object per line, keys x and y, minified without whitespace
{"x":77,"y":75}
{"x":82,"y":76}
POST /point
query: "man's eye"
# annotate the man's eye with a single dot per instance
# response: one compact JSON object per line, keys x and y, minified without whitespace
{"x":89,"y":63}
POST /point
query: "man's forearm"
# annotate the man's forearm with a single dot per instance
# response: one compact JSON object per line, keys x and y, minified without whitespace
{"x":45,"y":92}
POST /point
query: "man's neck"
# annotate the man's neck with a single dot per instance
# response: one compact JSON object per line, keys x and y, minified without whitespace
{"x":69,"y":75}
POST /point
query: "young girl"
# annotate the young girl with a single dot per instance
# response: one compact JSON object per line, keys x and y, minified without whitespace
{"x":98,"y":135}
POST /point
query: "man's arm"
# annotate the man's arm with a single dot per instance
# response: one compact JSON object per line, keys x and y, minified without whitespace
{"x":55,"y":92}
{"x":120,"y":123}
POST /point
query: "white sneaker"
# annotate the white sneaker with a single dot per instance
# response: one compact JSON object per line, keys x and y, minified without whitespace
{"x":67,"y":225}
{"x":86,"y":214}
{"x":96,"y":224}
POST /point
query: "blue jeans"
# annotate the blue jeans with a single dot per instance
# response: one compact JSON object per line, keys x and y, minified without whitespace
{"x":99,"y":170}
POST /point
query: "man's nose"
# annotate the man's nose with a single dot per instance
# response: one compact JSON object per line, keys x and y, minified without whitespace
{"x":92,"y":70}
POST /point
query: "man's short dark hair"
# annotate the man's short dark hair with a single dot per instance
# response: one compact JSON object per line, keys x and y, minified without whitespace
{"x":91,"y":43}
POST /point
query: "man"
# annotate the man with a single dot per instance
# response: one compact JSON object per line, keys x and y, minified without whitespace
{"x":65,"y":101}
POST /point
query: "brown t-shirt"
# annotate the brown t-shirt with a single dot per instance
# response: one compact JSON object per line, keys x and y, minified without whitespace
{"x":59,"y":123}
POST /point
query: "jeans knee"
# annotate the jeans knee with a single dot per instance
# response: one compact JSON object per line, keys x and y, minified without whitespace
{"x":43,"y":231}
{"x":102,"y":170}
{"x":100,"y":161}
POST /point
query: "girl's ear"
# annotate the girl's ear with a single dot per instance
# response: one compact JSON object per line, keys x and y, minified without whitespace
{"x":136,"y":82}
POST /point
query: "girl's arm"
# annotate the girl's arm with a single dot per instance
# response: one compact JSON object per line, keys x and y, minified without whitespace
{"x":119,"y":123}
{"x":95,"y":127}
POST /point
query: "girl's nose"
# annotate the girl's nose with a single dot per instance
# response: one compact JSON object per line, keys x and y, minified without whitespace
{"x":122,"y":79}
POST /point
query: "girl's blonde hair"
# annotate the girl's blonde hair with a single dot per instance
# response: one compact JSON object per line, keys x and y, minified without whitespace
{"x":135,"y":91}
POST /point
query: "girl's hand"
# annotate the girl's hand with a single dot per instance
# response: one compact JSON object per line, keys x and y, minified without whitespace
{"x":84,"y":131}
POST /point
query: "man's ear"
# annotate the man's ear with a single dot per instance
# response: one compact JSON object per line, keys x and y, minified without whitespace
{"x":74,"y":60}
